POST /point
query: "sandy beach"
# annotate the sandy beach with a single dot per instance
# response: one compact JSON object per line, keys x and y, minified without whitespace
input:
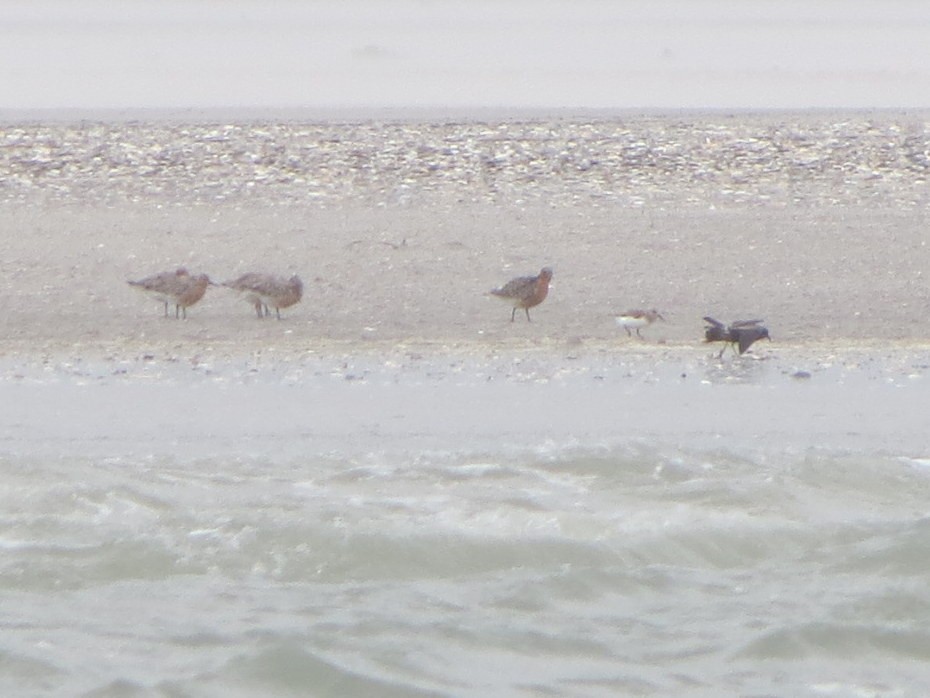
{"x":807,"y":221}
{"x":376,"y":277}
{"x":399,"y":230}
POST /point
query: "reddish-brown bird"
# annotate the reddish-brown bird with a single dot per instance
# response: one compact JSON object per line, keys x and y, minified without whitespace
{"x":525,"y":291}
{"x":265,"y":290}
{"x":178,"y":287}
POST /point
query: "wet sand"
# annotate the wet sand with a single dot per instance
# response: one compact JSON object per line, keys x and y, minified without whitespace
{"x":380,"y":277}
{"x":468,"y":400}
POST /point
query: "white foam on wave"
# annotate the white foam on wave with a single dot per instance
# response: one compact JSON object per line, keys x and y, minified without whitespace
{"x":916,"y":462}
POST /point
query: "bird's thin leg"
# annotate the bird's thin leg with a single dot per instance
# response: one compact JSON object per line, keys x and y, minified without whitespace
{"x":166,"y":308}
{"x":513,"y":313}
{"x":527,"y":311}
{"x":638,"y":334}
{"x":258,"y":309}
{"x":278,"y":312}
{"x":628,"y":333}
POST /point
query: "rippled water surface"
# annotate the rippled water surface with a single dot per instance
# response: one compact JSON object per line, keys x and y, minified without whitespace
{"x":486,"y":527}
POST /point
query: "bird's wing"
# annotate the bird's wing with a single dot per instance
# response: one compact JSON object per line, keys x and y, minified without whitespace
{"x":747,"y":338}
{"x":635,"y":314}
{"x":165,"y":282}
{"x":250,"y":281}
{"x":516,"y":287}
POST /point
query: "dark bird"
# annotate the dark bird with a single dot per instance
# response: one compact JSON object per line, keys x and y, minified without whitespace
{"x":525,"y":291}
{"x":741,"y":334}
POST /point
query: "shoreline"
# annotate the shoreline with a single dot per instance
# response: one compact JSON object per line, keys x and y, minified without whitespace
{"x":398,"y":403}
{"x":812,"y":354}
{"x":420,"y":115}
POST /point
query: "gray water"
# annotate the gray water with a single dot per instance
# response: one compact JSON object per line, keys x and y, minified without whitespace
{"x":503,"y":526}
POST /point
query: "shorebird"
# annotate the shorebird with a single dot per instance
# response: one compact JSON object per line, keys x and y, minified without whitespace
{"x":742,"y":333}
{"x":637,"y":319}
{"x":525,"y":291}
{"x":265,"y":290}
{"x":178,"y":287}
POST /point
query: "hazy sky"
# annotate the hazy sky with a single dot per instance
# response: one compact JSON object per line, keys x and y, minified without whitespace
{"x":464,"y":53}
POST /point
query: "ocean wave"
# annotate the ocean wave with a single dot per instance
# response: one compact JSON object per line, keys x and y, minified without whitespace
{"x":546,"y":569}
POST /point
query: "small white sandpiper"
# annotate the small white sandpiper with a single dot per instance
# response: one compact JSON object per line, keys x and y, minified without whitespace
{"x":637,"y":319}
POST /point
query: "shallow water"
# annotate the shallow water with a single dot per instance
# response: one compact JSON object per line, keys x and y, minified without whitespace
{"x":499,"y":526}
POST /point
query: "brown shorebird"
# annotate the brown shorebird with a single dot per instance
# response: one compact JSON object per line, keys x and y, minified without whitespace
{"x":265,"y":290}
{"x":178,"y":287}
{"x":637,"y":319}
{"x":742,"y":334}
{"x":525,"y":291}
